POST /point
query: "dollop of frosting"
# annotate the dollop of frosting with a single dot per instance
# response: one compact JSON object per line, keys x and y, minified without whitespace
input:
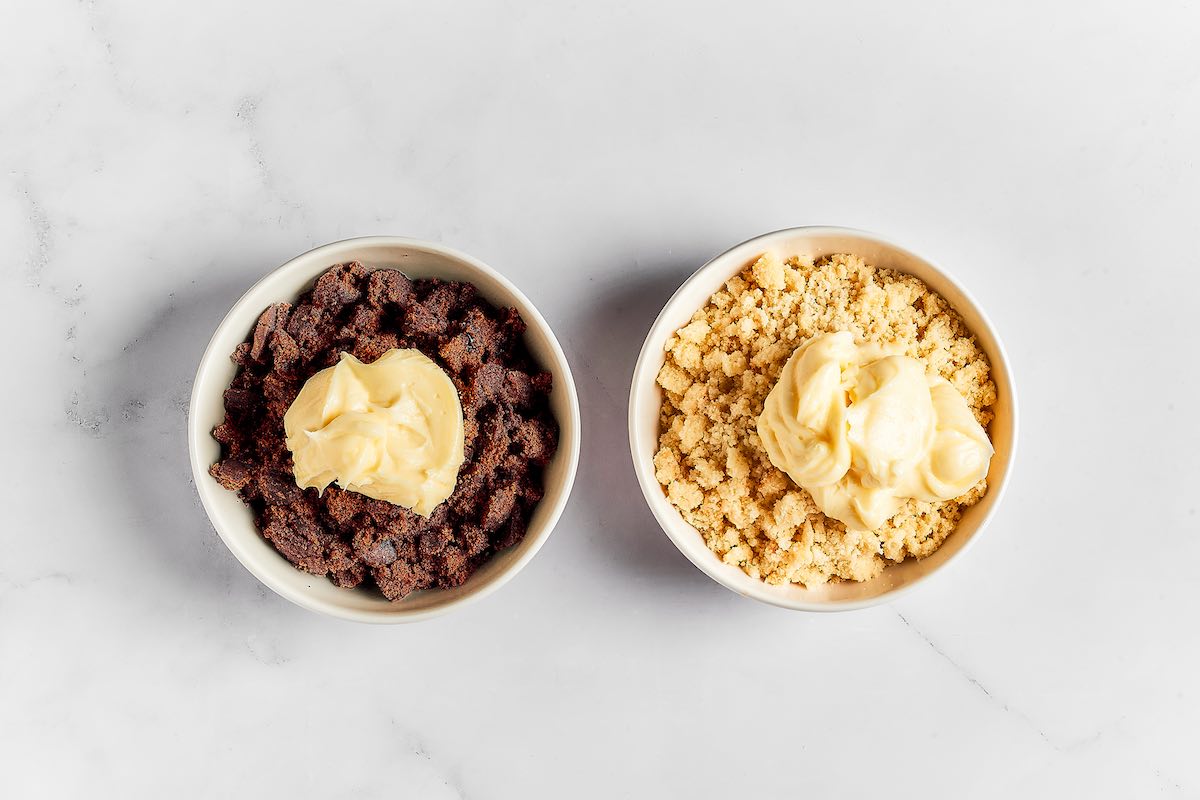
{"x":391,"y":430}
{"x":863,"y":429}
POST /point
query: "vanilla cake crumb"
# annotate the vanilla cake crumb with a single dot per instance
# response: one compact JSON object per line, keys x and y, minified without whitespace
{"x":719,"y":369}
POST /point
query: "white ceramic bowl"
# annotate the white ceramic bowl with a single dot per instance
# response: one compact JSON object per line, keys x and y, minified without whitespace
{"x":645,"y":402}
{"x":233,"y":519}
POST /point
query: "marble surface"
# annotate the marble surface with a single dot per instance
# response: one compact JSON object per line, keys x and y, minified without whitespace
{"x":157,"y":158}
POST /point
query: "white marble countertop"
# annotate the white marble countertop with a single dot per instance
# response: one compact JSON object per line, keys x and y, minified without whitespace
{"x":157,"y":158}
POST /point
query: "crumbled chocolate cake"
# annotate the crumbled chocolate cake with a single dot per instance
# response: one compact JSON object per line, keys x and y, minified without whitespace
{"x":508,"y":429}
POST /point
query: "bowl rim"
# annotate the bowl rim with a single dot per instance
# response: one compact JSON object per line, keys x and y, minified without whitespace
{"x":233,"y":539}
{"x":676,"y":527}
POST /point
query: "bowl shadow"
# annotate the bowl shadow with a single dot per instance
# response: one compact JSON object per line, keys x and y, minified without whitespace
{"x":606,"y":339}
{"x":150,"y":382}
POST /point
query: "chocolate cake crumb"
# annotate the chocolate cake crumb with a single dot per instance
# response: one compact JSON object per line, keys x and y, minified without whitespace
{"x":509,"y":432}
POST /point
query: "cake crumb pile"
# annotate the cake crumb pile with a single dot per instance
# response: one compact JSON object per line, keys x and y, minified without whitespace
{"x":719,"y":369}
{"x":509,"y":432}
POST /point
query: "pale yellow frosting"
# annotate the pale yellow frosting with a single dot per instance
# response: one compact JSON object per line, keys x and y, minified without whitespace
{"x":864,"y":429}
{"x":391,"y":430}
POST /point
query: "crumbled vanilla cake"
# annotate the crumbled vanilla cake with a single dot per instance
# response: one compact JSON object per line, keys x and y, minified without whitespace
{"x":719,"y":369}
